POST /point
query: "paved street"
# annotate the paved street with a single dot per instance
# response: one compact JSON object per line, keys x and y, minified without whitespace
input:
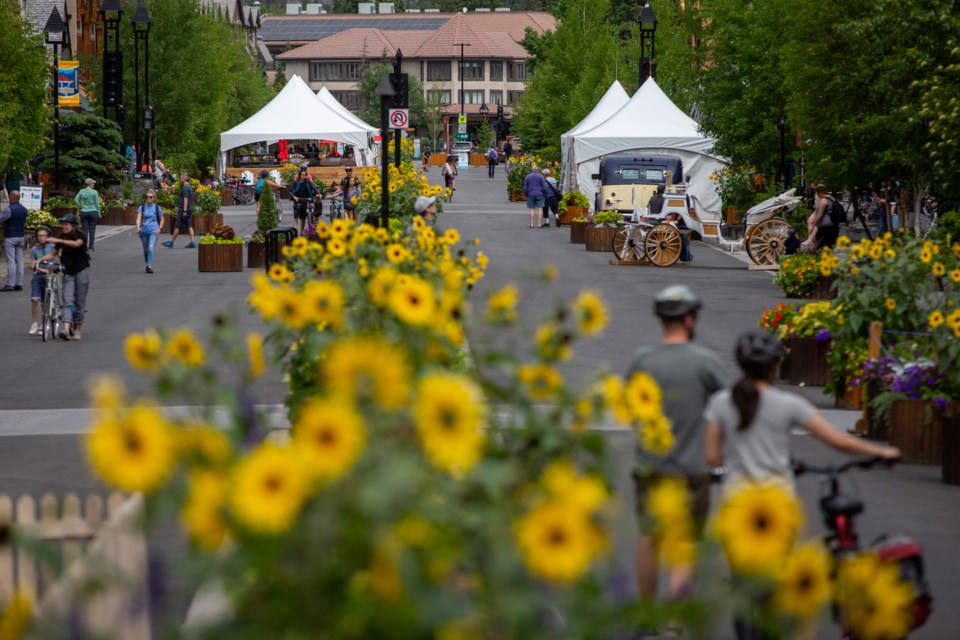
{"x":42,"y":392}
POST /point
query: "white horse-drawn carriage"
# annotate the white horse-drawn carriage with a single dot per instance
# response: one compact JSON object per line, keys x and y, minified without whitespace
{"x":654,"y":238}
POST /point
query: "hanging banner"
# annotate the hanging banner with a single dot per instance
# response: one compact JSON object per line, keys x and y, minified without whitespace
{"x":68,"y":83}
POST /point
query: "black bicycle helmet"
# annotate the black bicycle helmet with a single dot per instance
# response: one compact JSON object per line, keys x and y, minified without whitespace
{"x":676,"y":301}
{"x":759,"y":349}
{"x":72,"y":219}
{"x":264,"y":173}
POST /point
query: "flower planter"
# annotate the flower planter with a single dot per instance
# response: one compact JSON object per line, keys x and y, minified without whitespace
{"x":59,"y":212}
{"x":220,"y":257}
{"x":256,"y":255}
{"x":130,"y":215}
{"x":226,"y":197}
{"x":849,"y":398}
{"x":600,"y":238}
{"x":950,"y":449}
{"x":808,"y":361}
{"x":112,"y":217}
{"x":203,"y":224}
{"x":517,"y":196}
{"x":823,"y":290}
{"x":578,"y":232}
{"x":573,"y":212}
{"x":915,"y":428}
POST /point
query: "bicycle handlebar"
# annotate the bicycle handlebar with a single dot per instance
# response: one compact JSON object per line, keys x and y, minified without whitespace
{"x":800,"y":468}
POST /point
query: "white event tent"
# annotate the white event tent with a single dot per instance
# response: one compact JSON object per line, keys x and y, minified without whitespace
{"x":327,"y":98}
{"x":296,"y":113}
{"x":609,"y":104}
{"x":649,"y":123}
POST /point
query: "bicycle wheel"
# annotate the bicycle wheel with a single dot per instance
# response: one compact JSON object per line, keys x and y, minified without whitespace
{"x":244,"y":195}
{"x":48,"y":323}
{"x":276,"y":200}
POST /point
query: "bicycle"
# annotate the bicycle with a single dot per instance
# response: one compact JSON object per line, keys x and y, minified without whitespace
{"x":242,"y":192}
{"x":336,"y":210}
{"x":52,"y":309}
{"x":839,"y":512}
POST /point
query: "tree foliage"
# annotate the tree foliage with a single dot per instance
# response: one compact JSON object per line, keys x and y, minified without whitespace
{"x":88,"y":146}
{"x":370,"y":109}
{"x":24,"y":86}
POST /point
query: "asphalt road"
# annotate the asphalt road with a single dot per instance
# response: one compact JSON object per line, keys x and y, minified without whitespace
{"x":43,"y":396}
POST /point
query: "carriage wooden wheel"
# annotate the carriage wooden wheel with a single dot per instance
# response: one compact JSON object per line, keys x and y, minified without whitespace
{"x":628,"y":243}
{"x":767,"y":242}
{"x":662,"y":245}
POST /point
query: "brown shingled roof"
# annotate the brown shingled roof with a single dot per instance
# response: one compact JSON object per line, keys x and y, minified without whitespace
{"x":446,"y":41}
{"x":359,"y":43}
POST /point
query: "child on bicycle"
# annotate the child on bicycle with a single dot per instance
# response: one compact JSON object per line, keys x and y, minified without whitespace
{"x":749,"y":426}
{"x":43,"y":250}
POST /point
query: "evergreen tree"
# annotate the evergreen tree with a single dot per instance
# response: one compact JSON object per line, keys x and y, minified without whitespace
{"x":89,"y":148}
{"x":280,"y":79}
{"x":267,"y":215}
{"x":370,"y":108}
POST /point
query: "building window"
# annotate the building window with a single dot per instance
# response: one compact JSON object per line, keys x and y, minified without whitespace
{"x":514,"y":97}
{"x":517,"y":71}
{"x":349,"y":99}
{"x":437,"y":96}
{"x":334,"y":71}
{"x":496,"y":97}
{"x":496,"y":70}
{"x":438,"y":71}
{"x":473,"y":71}
{"x":473,"y":97}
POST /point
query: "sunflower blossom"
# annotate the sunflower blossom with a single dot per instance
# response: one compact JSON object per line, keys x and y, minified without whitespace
{"x":135,"y":451}
{"x":143,"y":350}
{"x":367,"y":370}
{"x":184,"y":348}
{"x":590,"y":313}
{"x":558,"y":543}
{"x":875,"y":601}
{"x":413,"y":301}
{"x":450,"y":419}
{"x":202,"y":516}
{"x":330,"y":436}
{"x":803,"y":587}
{"x":269,"y":487}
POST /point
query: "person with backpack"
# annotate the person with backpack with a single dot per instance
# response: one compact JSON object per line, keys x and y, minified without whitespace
{"x":149,"y":223}
{"x":304,"y":192}
{"x":492,"y":157}
{"x":826,"y":219}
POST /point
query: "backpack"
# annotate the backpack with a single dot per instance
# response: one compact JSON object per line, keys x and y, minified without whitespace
{"x":492,"y":155}
{"x":837,"y":212}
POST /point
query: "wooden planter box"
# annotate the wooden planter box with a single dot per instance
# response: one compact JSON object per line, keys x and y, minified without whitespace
{"x":112,"y":217}
{"x":130,"y":215}
{"x":600,"y":238}
{"x":573,"y":212}
{"x":578,"y":232}
{"x":823,"y":290}
{"x":205,"y":224}
{"x":226,"y":197}
{"x":517,"y":196}
{"x":220,"y":257}
{"x":916,"y":429}
{"x":256,"y":255}
{"x":59,"y":212}
{"x":850,"y":398}
{"x":807,"y":361}
{"x":950,"y":449}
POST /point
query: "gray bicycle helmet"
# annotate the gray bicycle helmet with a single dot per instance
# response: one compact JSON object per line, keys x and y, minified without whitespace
{"x":759,"y":349}
{"x":676,"y":301}
{"x":72,"y":219}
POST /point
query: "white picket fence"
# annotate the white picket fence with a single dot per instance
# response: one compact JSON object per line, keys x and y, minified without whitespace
{"x":104,"y":560}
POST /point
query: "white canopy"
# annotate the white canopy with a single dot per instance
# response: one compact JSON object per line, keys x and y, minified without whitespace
{"x":297,"y":114}
{"x":650,"y":123}
{"x":327,"y":98}
{"x":609,"y":104}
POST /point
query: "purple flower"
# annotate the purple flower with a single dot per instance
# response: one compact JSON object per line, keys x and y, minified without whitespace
{"x":823,"y":335}
{"x":941,"y":402}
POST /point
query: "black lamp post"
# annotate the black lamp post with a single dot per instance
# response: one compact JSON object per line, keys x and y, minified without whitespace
{"x":461,"y":45}
{"x":648,"y":33}
{"x":111,"y":11}
{"x":783,"y":153}
{"x":141,"y":31}
{"x":56,"y":33}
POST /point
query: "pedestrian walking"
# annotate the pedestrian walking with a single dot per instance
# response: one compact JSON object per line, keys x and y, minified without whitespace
{"x":507,"y":150}
{"x":492,"y":157}
{"x":827,"y":229}
{"x":450,"y":176}
{"x":149,"y":223}
{"x":88,"y":201}
{"x":72,"y":252}
{"x":159,"y":171}
{"x":551,"y":199}
{"x":535,"y":188}
{"x":184,"y":220}
{"x":13,"y":221}
{"x":688,"y":375}
{"x":43,"y":250}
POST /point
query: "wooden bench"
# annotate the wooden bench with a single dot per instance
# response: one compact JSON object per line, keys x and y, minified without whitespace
{"x":103,"y":553}
{"x":326,"y":174}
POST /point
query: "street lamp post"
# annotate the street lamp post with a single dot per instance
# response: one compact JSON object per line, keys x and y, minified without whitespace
{"x":648,"y":33}
{"x":55,"y":34}
{"x":462,"y":45}
{"x":141,"y":31}
{"x":111,"y":11}
{"x":783,"y":153}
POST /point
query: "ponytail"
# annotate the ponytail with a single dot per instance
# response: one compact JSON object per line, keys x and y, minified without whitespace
{"x":746,"y":395}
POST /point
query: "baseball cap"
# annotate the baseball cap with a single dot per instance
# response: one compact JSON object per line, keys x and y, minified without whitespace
{"x":422,"y":203}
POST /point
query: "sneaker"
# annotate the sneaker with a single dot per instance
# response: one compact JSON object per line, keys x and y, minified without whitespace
{"x":168,"y":244}
{"x":34,"y":329}
{"x":149,"y":269}
{"x":18,"y":288}
{"x":191,"y":245}
{"x":75,"y":336}
{"x":62,"y":334}
{"x":8,"y":288}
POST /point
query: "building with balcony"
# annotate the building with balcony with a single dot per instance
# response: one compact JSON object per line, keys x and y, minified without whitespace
{"x":333,"y":50}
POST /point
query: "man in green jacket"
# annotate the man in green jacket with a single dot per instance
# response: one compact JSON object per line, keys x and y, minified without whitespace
{"x":88,"y":201}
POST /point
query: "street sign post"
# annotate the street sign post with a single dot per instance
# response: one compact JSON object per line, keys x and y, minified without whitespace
{"x":399,"y":118}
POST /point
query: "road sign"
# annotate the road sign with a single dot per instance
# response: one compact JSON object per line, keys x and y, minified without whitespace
{"x":461,"y":128}
{"x":462,"y":119}
{"x":399,"y":118}
{"x":463,"y":137}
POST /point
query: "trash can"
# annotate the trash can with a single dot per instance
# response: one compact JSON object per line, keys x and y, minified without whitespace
{"x":276,"y":240}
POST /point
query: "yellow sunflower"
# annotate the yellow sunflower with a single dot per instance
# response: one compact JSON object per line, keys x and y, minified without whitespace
{"x":552,"y":343}
{"x":330,"y":435}
{"x":890,"y":303}
{"x":451,"y":236}
{"x":325,"y":300}
{"x":955,"y":276}
{"x":269,"y":487}
{"x":203,"y":516}
{"x":502,"y":304}
{"x":255,"y":355}
{"x":803,"y":587}
{"x":643,"y":397}
{"x":17,"y":616}
{"x":107,"y":394}
{"x":339,"y":228}
{"x":185,"y":348}
{"x":583,"y":492}
{"x":938,"y":269}
{"x":875,"y":602}
{"x":292,"y":309}
{"x":843,"y":242}
{"x":396,"y":253}
{"x":557,"y":543}
{"x":590,"y":313}
{"x":381,"y":284}
{"x":279,"y":273}
{"x":953,"y":320}
{"x":204,"y":445}
{"x":367,"y":370}
{"x":935,"y":320}
{"x":263,"y":298}
{"x":450,"y":418}
{"x":757,"y":526}
{"x":413,"y":301}
{"x":133,"y":452}
{"x":926,"y":255}
{"x":336,"y":247}
{"x":143,"y":350}
{"x":541,"y":381}
{"x":656,"y":435}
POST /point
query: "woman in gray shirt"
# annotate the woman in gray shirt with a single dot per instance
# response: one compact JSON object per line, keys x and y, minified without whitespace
{"x":748,"y":426}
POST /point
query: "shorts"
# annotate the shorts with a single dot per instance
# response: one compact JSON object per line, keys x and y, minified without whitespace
{"x":827,"y":236}
{"x":300,"y":210}
{"x":698,"y":490}
{"x":184,"y":222}
{"x":256,"y":196}
{"x":38,"y":287}
{"x":535,"y":202}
